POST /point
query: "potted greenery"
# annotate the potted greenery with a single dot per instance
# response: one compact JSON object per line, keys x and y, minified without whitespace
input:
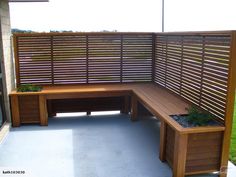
{"x":29,"y":88}
{"x":196,"y":118}
{"x":203,"y":143}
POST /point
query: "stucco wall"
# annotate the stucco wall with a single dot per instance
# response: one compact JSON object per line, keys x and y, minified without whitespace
{"x":7,"y":64}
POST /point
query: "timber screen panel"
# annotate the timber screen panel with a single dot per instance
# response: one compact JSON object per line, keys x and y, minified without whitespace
{"x":76,"y":58}
{"x":34,"y":59}
{"x":137,"y":58}
{"x":69,"y":59}
{"x":195,"y":67}
{"x":104,"y":58}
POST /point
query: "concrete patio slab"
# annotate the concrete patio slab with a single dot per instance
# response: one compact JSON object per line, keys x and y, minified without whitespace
{"x":87,"y":146}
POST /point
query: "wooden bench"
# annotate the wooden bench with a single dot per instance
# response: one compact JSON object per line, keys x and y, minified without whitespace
{"x":159,"y":101}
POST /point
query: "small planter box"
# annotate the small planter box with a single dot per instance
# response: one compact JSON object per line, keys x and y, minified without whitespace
{"x":197,"y":149}
{"x":27,"y":108}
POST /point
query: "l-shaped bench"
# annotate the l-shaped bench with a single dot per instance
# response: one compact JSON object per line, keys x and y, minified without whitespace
{"x":156,"y":99}
{"x":174,"y":139}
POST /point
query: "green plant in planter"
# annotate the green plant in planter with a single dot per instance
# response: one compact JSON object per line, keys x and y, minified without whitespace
{"x":29,"y":88}
{"x":197,"y":117}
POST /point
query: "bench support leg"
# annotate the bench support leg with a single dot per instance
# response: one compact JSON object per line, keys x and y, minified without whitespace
{"x":180,"y":152}
{"x":134,"y":108}
{"x":51,"y":112}
{"x":125,"y":106}
{"x":162,"y":152}
{"x":43,"y":110}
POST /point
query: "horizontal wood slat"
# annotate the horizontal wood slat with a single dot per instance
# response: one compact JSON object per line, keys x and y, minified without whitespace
{"x":195,"y":67}
{"x":77,"y":58}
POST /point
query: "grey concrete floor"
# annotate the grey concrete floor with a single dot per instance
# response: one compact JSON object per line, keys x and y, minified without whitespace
{"x":88,"y":146}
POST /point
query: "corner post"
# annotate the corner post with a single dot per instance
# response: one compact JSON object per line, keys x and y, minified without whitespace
{"x":15,"y":113}
{"x":180,"y":153}
{"x":229,"y":106}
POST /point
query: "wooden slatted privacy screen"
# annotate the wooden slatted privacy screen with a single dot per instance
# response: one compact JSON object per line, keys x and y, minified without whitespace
{"x":195,"y":67}
{"x":70,"y":58}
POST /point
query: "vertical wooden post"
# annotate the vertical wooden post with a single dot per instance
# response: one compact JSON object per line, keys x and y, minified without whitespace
{"x":87,"y":59}
{"x":15,"y":113}
{"x":43,"y":110}
{"x":153,"y":56}
{"x":52,"y":60}
{"x":125,"y":106}
{"x":162,"y":151}
{"x":134,"y":108}
{"x":180,"y":152}
{"x":17,"y":68}
{"x":49,"y":108}
{"x":229,"y":106}
{"x":121,"y":58}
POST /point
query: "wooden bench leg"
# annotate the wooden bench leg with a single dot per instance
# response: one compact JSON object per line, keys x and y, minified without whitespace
{"x":134,"y":108}
{"x":125,"y":106}
{"x":162,"y":151}
{"x":43,"y":110}
{"x":180,"y":152}
{"x":15,"y":111}
{"x":51,"y":112}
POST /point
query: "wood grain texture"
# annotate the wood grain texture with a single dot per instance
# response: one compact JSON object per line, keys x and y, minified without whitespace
{"x":204,"y":152}
{"x":43,"y":110}
{"x":29,"y":109}
{"x":180,"y":153}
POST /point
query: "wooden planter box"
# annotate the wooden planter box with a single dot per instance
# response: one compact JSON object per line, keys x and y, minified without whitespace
{"x":27,"y":108}
{"x":197,"y":149}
